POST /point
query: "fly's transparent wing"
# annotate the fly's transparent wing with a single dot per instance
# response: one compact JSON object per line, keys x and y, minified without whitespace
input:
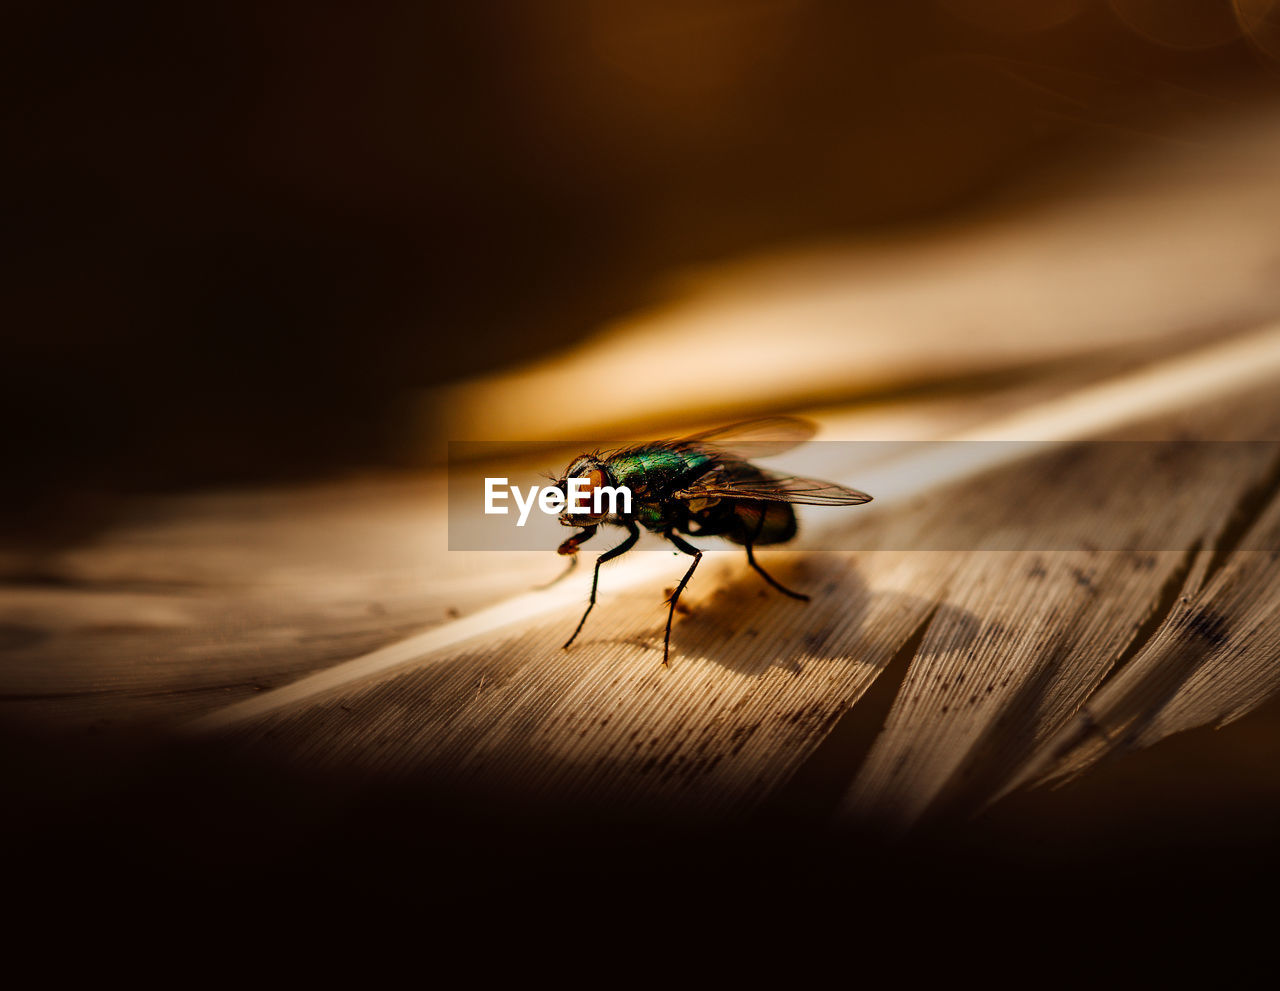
{"x":721,"y":484}
{"x":759,"y":438}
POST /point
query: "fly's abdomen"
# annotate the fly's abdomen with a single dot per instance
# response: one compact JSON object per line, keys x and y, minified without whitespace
{"x":764,"y":523}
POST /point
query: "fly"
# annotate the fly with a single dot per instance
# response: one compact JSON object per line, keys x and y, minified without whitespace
{"x":700,"y":486}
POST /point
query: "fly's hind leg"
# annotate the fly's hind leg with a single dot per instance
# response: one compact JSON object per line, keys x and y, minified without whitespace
{"x":748,"y":541}
{"x":696,"y":554}
{"x":633,"y":535}
{"x":751,"y":560}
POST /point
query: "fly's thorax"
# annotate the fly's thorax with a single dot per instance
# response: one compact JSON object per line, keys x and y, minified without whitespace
{"x":652,"y":517}
{"x":658,"y":471}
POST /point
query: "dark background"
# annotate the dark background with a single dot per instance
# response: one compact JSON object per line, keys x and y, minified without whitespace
{"x":241,"y":233}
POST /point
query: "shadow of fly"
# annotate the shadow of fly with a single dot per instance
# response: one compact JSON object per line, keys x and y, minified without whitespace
{"x":700,"y":486}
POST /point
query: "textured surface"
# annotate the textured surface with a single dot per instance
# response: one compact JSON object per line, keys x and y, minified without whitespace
{"x":1013,"y":644}
{"x":1008,"y":621}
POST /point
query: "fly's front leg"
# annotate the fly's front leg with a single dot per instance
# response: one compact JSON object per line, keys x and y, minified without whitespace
{"x":633,"y":534}
{"x":570,"y":546}
{"x":569,"y":549}
{"x":688,"y":548}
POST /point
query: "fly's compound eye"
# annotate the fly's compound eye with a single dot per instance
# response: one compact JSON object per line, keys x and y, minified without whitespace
{"x":582,"y":496}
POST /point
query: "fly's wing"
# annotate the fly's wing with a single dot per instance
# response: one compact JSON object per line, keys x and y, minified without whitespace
{"x":724,"y":483}
{"x":753,"y":438}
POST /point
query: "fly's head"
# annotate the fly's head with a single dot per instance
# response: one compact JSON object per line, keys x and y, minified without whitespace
{"x":580,"y":481}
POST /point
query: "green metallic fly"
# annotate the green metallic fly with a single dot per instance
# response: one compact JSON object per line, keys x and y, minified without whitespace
{"x":701,"y":486}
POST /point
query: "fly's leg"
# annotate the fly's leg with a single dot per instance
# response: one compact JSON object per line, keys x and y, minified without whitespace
{"x":696,"y":554}
{"x":748,"y":541}
{"x":573,"y":563}
{"x":570,"y":549}
{"x":751,"y":560}
{"x":633,"y":535}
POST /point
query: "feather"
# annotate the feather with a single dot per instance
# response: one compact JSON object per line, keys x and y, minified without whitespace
{"x":330,"y":624}
{"x":1015,"y":647}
